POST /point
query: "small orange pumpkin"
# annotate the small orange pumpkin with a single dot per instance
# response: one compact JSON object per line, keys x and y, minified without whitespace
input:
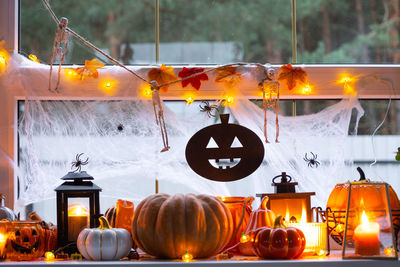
{"x":369,"y":196}
{"x":169,"y":226}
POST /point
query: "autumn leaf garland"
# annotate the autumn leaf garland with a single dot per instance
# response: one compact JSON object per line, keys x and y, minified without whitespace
{"x":195,"y":81}
{"x":292,"y":75}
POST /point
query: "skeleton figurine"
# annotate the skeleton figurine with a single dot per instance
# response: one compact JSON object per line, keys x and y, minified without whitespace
{"x":270,"y":88}
{"x":61,"y":38}
{"x":159,"y":113}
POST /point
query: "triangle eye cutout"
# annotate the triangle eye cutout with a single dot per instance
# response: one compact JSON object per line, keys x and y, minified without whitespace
{"x":212,"y":143}
{"x":236,"y":143}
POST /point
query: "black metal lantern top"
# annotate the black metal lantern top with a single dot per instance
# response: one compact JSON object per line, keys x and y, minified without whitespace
{"x":285,"y":186}
{"x":78,"y":184}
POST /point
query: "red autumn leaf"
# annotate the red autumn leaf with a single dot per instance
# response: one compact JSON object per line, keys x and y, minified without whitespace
{"x":194,"y":81}
{"x":292,"y":75}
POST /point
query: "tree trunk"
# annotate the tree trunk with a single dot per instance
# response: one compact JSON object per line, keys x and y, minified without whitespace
{"x":378,"y":58}
{"x":394,"y":30}
{"x":326,"y":31}
{"x":361,"y":29}
{"x":115,"y":44}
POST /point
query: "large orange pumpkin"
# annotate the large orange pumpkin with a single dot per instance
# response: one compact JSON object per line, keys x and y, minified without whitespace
{"x":368,"y":196}
{"x":169,"y":226}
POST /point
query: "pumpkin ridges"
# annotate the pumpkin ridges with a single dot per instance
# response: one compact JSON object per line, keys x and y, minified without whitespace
{"x":228,"y":223}
{"x":149,"y":213}
{"x":194,"y":225}
{"x":213,"y":227}
{"x":169,"y":227}
{"x":134,"y":223}
{"x":222,"y":217}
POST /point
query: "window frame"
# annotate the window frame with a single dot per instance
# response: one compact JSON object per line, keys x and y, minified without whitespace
{"x":322,"y":76}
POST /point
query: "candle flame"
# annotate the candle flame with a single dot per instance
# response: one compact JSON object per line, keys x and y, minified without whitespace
{"x":287,"y":216}
{"x":303,"y":214}
{"x":2,"y":238}
{"x":364,"y":218}
{"x":77,"y":210}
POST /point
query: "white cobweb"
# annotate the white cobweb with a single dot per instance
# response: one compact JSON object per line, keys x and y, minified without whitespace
{"x":125,"y":163}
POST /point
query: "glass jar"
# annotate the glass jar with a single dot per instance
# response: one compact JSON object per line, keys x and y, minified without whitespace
{"x":5,"y":213}
{"x":25,"y":240}
{"x":240,"y":208}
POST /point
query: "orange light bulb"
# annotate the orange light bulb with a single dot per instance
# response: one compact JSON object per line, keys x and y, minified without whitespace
{"x":49,"y":256}
{"x":189,"y":100}
{"x":187,"y":257}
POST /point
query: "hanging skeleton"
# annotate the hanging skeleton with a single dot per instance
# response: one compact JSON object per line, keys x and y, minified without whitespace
{"x":159,"y":113}
{"x":61,"y":39}
{"x":270,"y":88}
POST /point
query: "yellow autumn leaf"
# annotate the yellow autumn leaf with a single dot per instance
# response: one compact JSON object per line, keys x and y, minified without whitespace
{"x":162,"y":75}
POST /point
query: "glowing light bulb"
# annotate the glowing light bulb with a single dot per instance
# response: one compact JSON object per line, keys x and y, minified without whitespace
{"x":306,"y":90}
{"x":189,"y":100}
{"x":187,"y":257}
{"x":229,"y":100}
{"x":389,"y":251}
{"x":2,"y":59}
{"x":244,"y":238}
{"x":33,"y":58}
{"x":321,"y":252}
{"x":49,"y":256}
{"x":145,"y":91}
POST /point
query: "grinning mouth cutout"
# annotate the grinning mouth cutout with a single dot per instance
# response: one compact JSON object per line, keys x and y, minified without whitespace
{"x":225,"y":163}
{"x":25,"y":250}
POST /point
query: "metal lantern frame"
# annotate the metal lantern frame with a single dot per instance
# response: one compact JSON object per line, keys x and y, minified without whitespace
{"x":389,"y":210}
{"x":76,"y":185}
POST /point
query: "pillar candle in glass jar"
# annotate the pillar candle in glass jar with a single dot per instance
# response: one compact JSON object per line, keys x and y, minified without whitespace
{"x":366,"y":237}
{"x":78,"y":219}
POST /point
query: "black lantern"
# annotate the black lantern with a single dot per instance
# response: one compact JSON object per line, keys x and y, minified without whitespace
{"x":72,"y":218}
{"x":286,"y":201}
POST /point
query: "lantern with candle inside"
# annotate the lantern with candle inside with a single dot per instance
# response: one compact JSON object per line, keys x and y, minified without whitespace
{"x":72,"y":213}
{"x":286,"y":200}
{"x":369,"y":231}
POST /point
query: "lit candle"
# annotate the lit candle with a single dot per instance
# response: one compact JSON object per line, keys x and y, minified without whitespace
{"x":77,"y":220}
{"x":3,"y":241}
{"x":366,"y":237}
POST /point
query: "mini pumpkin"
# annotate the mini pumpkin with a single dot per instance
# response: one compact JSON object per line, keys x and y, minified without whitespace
{"x":169,"y":226}
{"x":224,"y":152}
{"x":279,"y":242}
{"x":369,"y":196}
{"x":25,"y":240}
{"x":104,"y":242}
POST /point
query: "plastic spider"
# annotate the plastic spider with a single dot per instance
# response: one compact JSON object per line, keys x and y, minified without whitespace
{"x":79,"y":163}
{"x":313,"y":161}
{"x":209,"y":108}
{"x":120,"y":127}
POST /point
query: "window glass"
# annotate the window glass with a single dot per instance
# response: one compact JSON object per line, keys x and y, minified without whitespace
{"x":118,"y":27}
{"x":220,"y":31}
{"x":348,"y":31}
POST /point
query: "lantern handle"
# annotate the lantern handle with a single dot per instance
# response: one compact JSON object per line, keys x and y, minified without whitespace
{"x":362,"y":174}
{"x":284,"y":178}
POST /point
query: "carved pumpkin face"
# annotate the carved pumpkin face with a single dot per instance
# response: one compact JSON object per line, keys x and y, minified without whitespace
{"x":224,"y":152}
{"x":25,"y":240}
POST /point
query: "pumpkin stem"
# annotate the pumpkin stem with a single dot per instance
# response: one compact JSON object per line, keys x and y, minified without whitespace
{"x":362,"y":174}
{"x":224,"y":118}
{"x":104,"y":223}
{"x":264,"y":202}
{"x":279,"y":222}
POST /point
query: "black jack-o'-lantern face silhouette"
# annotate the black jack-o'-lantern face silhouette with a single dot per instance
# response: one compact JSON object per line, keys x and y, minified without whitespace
{"x":224,"y":152}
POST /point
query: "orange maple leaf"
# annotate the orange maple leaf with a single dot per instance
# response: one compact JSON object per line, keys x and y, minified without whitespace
{"x":292,"y":75}
{"x":228,"y":75}
{"x":90,"y":69}
{"x":163,"y":75}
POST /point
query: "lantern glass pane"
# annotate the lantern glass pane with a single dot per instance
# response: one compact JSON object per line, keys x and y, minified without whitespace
{"x":78,"y":216}
{"x":369,"y":227}
{"x":290,"y":207}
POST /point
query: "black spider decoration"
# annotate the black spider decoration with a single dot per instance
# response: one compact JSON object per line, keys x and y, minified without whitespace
{"x":208,"y":108}
{"x":313,"y":161}
{"x":79,"y":163}
{"x":120,"y":127}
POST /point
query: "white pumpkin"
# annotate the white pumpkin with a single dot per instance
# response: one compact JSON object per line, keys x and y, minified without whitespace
{"x":104,"y":243}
